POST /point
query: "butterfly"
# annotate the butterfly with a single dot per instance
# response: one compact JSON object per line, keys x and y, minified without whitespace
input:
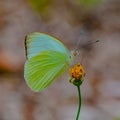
{"x":47,"y":59}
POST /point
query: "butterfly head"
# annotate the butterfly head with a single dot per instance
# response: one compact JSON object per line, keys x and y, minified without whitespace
{"x":77,"y":74}
{"x":75,"y":52}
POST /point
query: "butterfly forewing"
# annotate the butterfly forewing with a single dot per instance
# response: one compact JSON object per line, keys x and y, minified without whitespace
{"x":37,"y":42}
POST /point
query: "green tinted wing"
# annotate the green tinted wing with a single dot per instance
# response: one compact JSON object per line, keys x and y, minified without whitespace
{"x":38,"y":42}
{"x":43,"y":69}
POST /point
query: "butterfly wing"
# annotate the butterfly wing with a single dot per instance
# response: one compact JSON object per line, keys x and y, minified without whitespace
{"x":37,"y":42}
{"x":47,"y":58}
{"x":43,"y":69}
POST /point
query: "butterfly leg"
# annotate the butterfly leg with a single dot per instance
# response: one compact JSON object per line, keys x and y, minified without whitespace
{"x":71,"y":79}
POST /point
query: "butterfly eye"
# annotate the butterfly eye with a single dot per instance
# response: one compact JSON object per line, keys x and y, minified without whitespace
{"x":75,"y":53}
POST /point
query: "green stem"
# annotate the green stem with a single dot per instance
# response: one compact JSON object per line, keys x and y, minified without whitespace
{"x":79,"y":107}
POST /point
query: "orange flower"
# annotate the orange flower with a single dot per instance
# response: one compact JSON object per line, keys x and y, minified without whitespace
{"x":77,"y":73}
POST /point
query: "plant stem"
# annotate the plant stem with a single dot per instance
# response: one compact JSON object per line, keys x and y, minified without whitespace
{"x":79,"y":106}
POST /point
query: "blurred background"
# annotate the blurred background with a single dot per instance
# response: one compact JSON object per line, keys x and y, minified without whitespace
{"x":71,"y":21}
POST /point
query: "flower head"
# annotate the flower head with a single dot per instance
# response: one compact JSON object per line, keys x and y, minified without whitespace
{"x":77,"y":74}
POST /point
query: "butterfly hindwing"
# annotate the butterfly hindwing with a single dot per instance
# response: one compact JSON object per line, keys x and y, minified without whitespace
{"x":43,"y":69}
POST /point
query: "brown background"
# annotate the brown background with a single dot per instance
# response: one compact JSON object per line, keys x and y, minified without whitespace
{"x":64,"y":19}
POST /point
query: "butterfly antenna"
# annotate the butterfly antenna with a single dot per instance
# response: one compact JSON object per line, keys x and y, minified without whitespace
{"x":90,"y":43}
{"x":78,"y":41}
{"x":85,"y":46}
